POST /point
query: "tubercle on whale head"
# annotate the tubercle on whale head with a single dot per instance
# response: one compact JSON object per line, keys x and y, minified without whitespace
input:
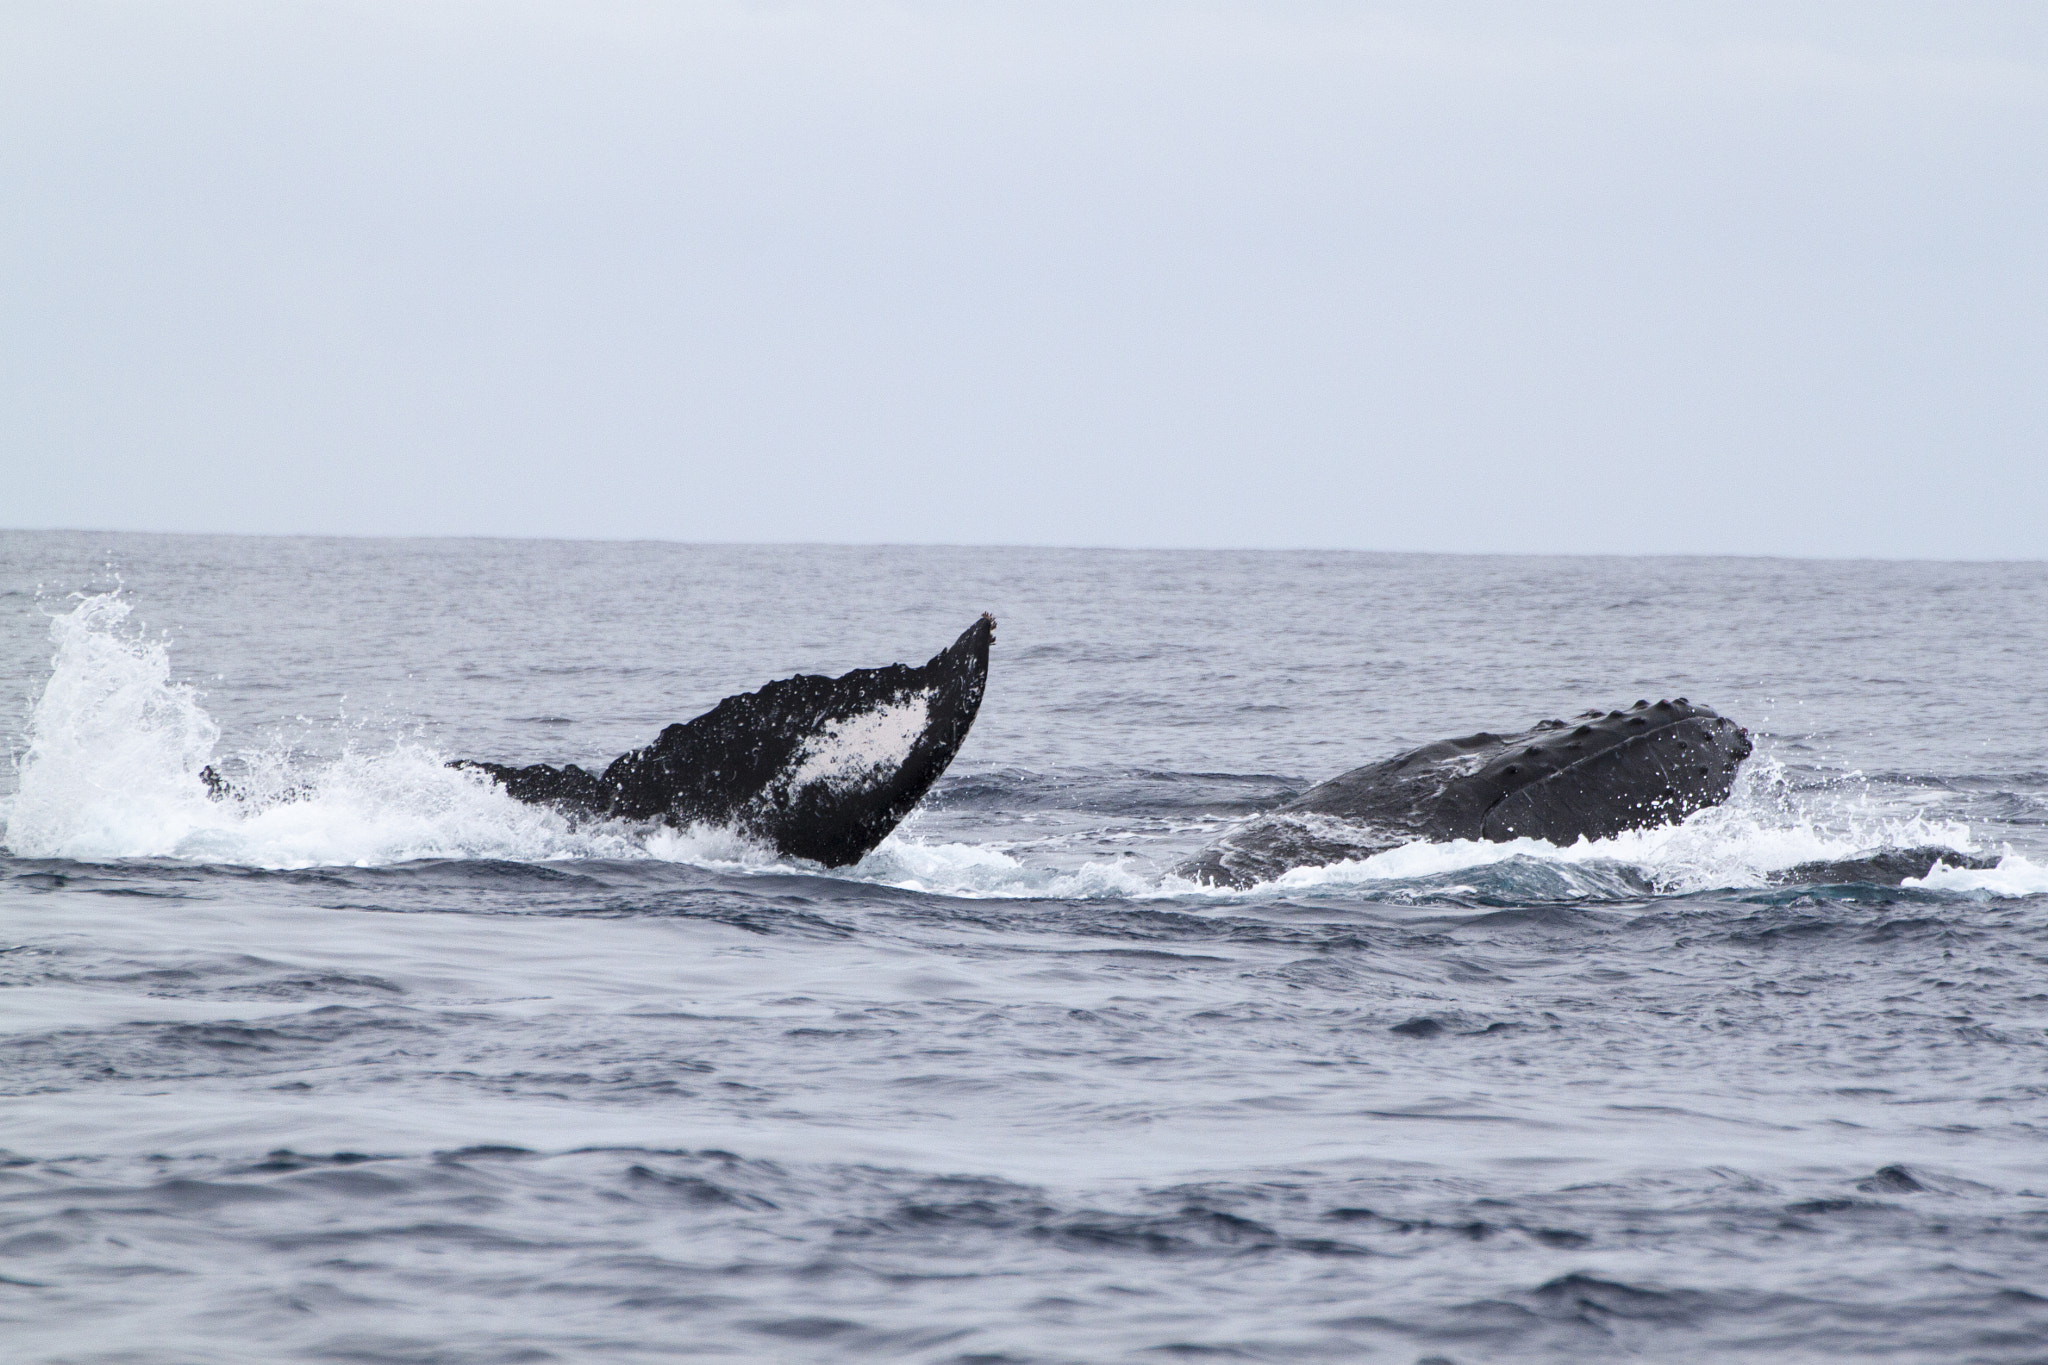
{"x":1631,"y":769}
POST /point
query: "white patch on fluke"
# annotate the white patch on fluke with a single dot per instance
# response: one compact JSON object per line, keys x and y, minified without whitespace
{"x":863,"y":750}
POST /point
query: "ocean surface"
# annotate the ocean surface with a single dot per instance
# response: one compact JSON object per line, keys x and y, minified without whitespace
{"x":385,"y":1067}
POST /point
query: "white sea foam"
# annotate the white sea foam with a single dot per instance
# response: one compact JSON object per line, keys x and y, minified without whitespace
{"x":2014,"y":876}
{"x":972,"y":871}
{"x":977,"y":870}
{"x":1765,"y":827}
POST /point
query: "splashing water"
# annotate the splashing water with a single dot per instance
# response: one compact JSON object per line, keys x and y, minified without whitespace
{"x":1765,"y":826}
{"x":116,"y":746}
{"x":112,"y":770}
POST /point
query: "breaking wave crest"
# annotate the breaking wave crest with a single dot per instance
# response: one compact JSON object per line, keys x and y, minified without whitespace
{"x":116,"y":745}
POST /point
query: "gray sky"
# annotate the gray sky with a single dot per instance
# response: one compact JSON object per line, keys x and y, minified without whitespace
{"x":1754,"y":278}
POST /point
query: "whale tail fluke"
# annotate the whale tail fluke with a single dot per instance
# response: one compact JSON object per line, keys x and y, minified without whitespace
{"x":821,"y":768}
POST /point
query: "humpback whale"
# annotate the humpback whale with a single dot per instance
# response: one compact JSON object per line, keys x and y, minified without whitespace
{"x":821,"y":768}
{"x":1883,"y":866}
{"x":1591,"y":777}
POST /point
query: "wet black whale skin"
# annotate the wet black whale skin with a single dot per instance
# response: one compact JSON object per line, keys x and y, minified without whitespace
{"x":1652,"y":764}
{"x":729,"y":765}
{"x":1880,"y":866}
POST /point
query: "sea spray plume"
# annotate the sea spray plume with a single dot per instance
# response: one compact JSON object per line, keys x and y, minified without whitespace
{"x":115,"y":751}
{"x":115,"y":747}
{"x":819,"y":768}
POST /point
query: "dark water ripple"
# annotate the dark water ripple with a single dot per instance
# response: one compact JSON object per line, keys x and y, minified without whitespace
{"x":349,"y":1256}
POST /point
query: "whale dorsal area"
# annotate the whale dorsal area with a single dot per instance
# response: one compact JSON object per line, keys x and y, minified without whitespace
{"x":820,"y":768}
{"x":1559,"y":781}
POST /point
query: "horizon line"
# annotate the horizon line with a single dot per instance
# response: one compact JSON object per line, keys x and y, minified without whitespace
{"x":1015,"y":545}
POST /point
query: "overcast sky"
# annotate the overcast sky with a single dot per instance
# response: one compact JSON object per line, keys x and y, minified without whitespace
{"x":1751,"y":278}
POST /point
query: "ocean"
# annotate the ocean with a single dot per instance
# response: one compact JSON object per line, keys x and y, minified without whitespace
{"x":381,"y":1066}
